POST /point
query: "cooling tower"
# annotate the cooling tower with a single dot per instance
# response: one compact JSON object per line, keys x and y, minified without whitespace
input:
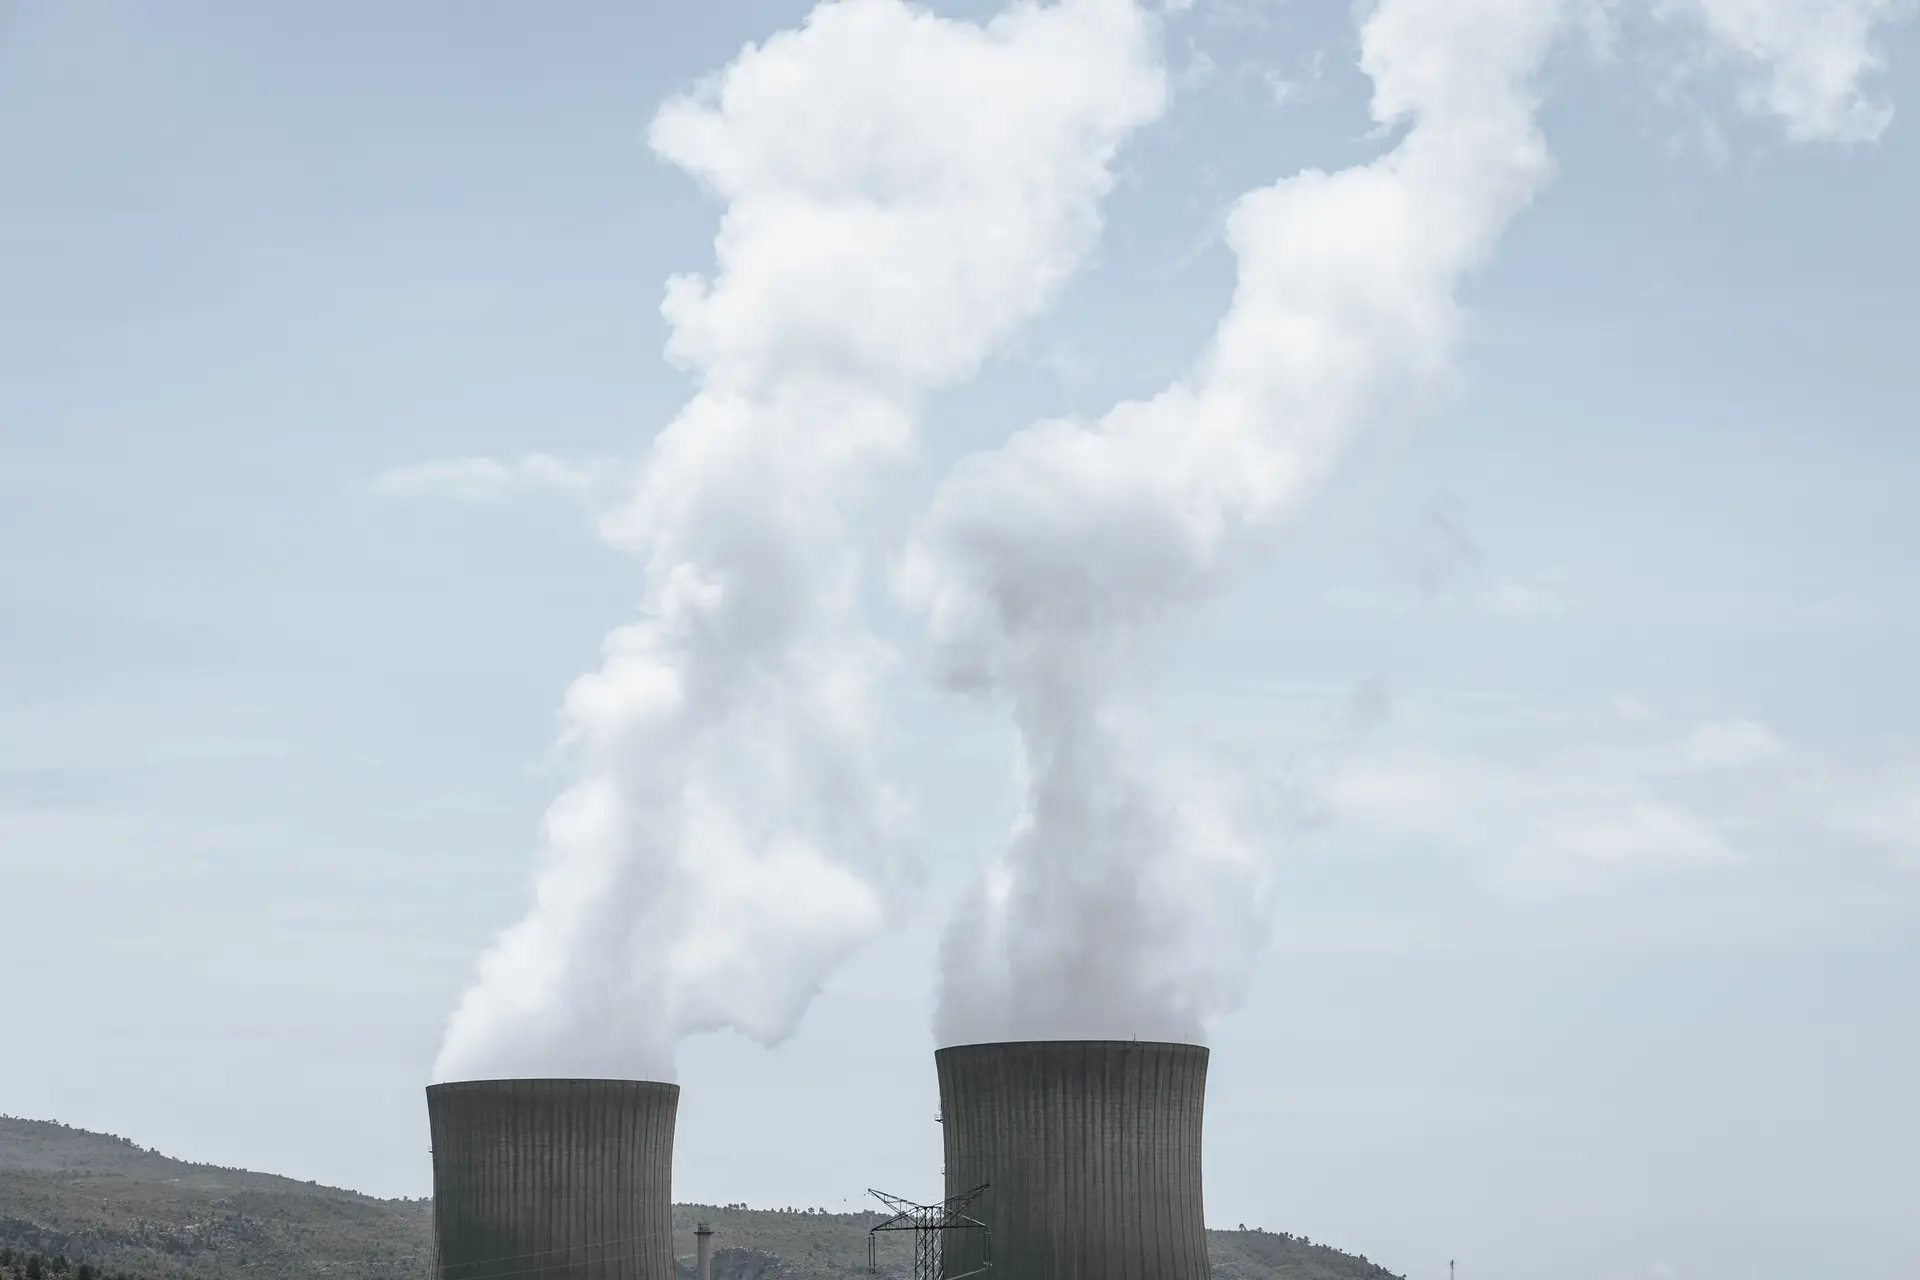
{"x":1092,"y":1150}
{"x":566,"y":1179}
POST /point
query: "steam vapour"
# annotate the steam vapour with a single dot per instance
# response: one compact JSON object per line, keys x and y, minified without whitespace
{"x":1133,"y":894}
{"x":728,"y":838}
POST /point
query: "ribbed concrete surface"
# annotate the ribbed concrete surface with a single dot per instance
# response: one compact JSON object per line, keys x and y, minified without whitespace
{"x":1093,"y":1150}
{"x":568,"y":1179}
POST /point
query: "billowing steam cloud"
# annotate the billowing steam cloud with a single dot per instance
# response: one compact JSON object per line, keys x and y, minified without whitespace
{"x":1806,"y":61}
{"x":900,"y":190}
{"x":1133,"y":894}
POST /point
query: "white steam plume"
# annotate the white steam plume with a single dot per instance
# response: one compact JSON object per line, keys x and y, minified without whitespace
{"x":1132,"y":896}
{"x":1809,"y":61}
{"x":900,"y":190}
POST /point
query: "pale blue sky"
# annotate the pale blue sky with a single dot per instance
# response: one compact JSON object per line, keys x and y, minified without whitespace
{"x":274,"y":742}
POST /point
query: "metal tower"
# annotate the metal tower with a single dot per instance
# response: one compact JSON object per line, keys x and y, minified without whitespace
{"x":930,"y":1224}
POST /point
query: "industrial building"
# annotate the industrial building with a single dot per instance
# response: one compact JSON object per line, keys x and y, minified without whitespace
{"x":569,"y":1179}
{"x":1090,"y":1151}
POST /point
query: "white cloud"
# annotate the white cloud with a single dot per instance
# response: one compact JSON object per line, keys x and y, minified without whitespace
{"x":1807,"y":63}
{"x":1199,"y":69}
{"x":1438,"y":569}
{"x":1723,"y":744}
{"x":1879,"y":805}
{"x":1532,"y":597}
{"x":1279,"y":89}
{"x":487,"y":479}
{"x":1578,"y":821}
{"x":1597,"y":816}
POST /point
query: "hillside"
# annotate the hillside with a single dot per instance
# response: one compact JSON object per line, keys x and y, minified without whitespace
{"x":105,"y":1201}
{"x":117,"y":1207}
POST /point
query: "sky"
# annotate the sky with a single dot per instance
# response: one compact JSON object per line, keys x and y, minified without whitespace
{"x":1580,"y":684}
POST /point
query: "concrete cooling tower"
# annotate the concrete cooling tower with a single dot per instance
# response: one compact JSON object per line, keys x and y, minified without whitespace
{"x":1092,"y":1150}
{"x":568,"y":1179}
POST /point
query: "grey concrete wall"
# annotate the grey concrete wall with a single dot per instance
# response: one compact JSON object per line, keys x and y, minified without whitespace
{"x":1092,"y":1148}
{"x":568,"y":1179}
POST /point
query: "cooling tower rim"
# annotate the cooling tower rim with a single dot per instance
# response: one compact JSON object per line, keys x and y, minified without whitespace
{"x":1186,"y":1045}
{"x":553,"y":1082}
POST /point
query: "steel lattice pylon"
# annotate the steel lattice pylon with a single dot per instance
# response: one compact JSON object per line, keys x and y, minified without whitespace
{"x":930,"y":1224}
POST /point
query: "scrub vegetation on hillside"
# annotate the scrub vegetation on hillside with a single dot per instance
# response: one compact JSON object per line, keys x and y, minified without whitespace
{"x":74,"y":1199}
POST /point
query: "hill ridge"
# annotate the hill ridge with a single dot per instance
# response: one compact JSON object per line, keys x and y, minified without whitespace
{"x":107,"y":1201}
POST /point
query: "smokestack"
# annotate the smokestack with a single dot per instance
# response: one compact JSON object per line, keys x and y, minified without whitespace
{"x":559,"y":1178}
{"x":1092,"y":1152}
{"x":703,"y":1252}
